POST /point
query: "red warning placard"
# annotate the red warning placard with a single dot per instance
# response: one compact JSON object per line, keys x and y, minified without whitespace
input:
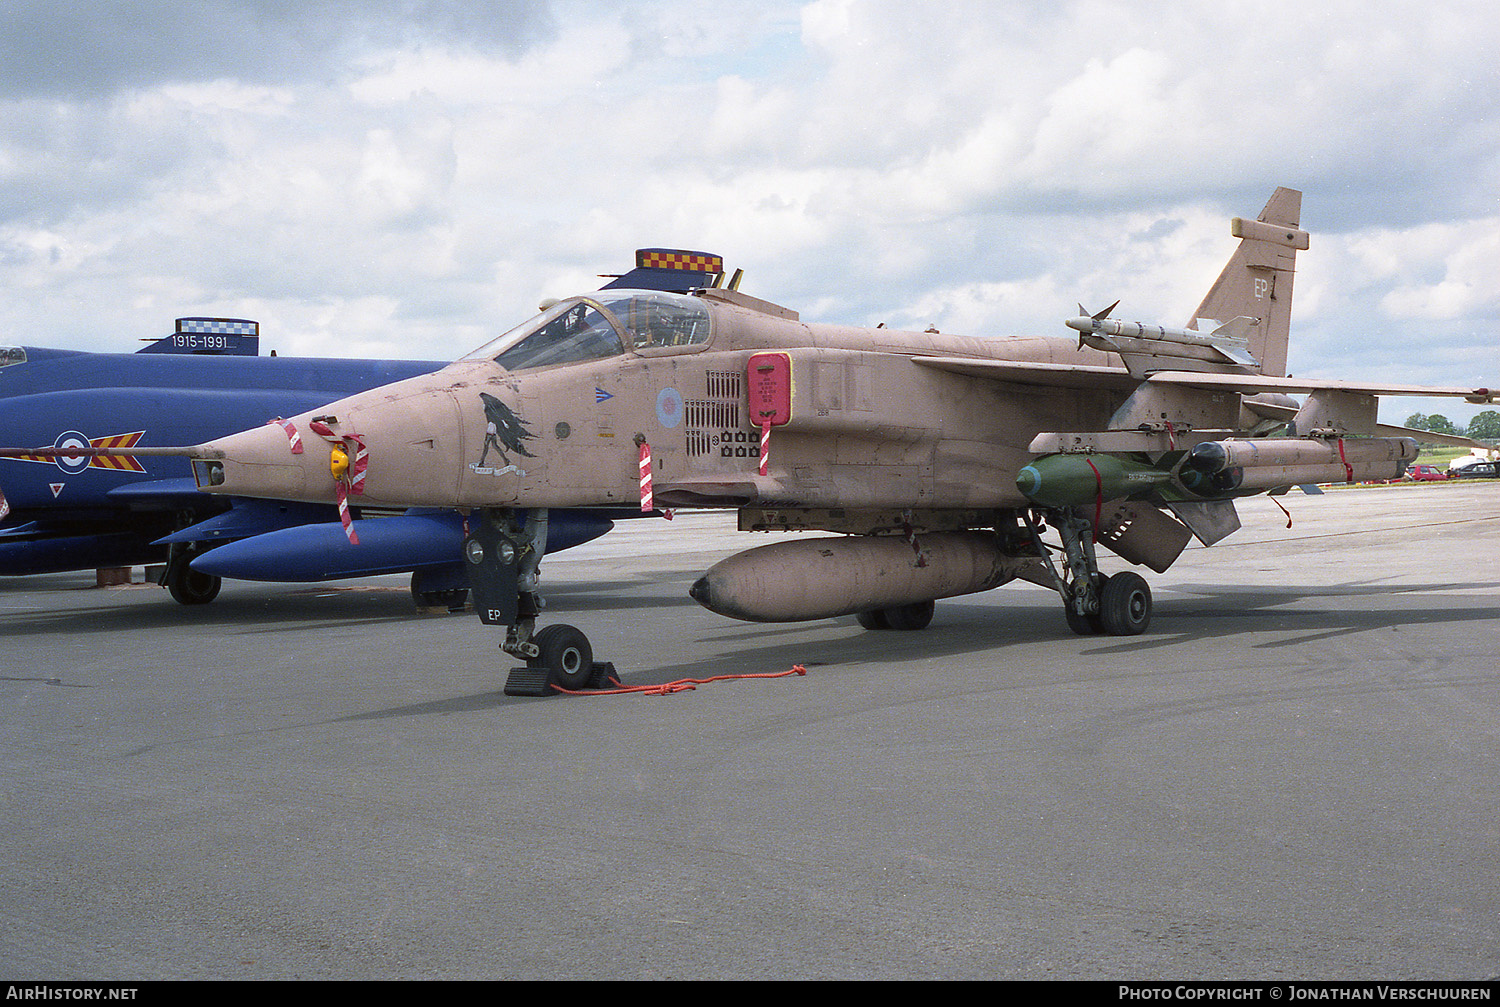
{"x":769,"y":381}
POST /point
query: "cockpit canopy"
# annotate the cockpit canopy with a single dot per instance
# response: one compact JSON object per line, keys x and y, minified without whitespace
{"x":600,"y":325}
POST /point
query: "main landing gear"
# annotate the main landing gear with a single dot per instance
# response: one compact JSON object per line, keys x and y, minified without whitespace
{"x":503,"y":551}
{"x":1117,"y":605}
{"x":903,"y":617}
{"x":188,"y":586}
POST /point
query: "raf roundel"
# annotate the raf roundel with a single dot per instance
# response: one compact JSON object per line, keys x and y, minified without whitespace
{"x":72,"y":464}
{"x":669,"y":407}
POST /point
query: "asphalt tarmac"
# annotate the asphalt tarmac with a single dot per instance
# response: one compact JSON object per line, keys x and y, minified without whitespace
{"x":1293,"y":774}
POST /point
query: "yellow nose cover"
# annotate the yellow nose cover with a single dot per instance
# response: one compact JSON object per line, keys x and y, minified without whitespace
{"x":338,"y":461}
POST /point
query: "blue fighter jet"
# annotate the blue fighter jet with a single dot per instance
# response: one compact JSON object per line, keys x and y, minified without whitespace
{"x":64,"y":511}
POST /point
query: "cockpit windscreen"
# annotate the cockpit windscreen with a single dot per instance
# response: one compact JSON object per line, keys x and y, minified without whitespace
{"x":588,"y":328}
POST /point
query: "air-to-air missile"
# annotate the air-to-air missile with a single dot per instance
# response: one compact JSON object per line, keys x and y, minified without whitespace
{"x":1102,"y":333}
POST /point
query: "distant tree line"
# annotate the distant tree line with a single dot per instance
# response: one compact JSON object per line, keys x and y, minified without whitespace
{"x":1483,"y":427}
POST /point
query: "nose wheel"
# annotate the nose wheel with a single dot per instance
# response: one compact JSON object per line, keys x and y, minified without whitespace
{"x":564,"y":658}
{"x":566,"y":655}
{"x":502,"y":552}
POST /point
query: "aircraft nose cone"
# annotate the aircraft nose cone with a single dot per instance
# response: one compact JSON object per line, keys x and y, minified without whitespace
{"x":260,"y":463}
{"x":701,"y":592}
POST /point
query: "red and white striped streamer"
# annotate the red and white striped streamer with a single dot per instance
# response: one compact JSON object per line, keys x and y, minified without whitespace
{"x":353,"y":480}
{"x":342,"y":492}
{"x":291,"y":433}
{"x":765,"y":446}
{"x":646,"y":478}
{"x":360,"y":463}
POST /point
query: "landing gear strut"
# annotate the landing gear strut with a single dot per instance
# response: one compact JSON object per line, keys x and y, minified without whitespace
{"x":1119,"y":605}
{"x":503,"y":551}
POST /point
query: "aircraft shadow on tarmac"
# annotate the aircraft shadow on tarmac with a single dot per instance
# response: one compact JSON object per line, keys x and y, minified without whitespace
{"x":1222,"y":612}
{"x":962,"y":629}
{"x":337,"y":604}
{"x":1189,"y":615}
{"x":1218,"y":613}
{"x":272,"y":613}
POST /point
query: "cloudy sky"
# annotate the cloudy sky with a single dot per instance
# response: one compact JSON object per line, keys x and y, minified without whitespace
{"x":406,"y":178}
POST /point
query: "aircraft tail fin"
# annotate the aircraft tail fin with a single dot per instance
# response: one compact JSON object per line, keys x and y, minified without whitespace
{"x":1257,"y":282}
{"x":232,"y":337}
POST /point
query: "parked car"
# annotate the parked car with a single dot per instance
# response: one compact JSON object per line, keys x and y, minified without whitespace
{"x":1425,"y":473}
{"x":1479,"y":470}
{"x":1457,"y":465}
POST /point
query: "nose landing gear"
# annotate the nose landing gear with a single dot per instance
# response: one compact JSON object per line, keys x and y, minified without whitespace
{"x":503,"y":551}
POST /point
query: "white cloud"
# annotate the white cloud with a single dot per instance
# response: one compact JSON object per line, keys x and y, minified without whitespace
{"x":981,"y":166}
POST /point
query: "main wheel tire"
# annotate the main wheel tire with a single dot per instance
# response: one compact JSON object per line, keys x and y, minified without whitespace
{"x":189,"y":587}
{"x":453,"y":600}
{"x":873,"y":619}
{"x":915,"y":616}
{"x":1091,"y":624}
{"x":567,"y":656}
{"x":1125,"y":605}
{"x":1083,"y":625}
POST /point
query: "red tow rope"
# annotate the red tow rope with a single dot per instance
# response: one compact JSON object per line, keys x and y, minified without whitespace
{"x":667,"y":688}
{"x":1284,"y":511}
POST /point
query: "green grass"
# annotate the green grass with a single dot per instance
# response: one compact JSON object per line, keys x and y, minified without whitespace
{"x":1440,"y":455}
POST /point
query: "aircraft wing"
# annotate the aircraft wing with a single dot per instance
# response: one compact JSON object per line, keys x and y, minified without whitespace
{"x":1271,"y":410}
{"x":1255,"y":383}
{"x":156,"y":492}
{"x":1027,"y":373}
{"x":1092,"y":377}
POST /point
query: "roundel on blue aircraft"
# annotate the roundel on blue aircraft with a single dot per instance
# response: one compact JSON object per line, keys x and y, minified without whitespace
{"x":72,"y":464}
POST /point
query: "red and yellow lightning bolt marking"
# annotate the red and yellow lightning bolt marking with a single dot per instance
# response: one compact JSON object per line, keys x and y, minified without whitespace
{"x":117,"y":463}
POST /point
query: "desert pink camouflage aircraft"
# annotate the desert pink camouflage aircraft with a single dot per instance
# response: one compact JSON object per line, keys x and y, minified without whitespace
{"x":936,"y":459}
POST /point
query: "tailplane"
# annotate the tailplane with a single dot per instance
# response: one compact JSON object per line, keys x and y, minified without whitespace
{"x":1257,"y":282}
